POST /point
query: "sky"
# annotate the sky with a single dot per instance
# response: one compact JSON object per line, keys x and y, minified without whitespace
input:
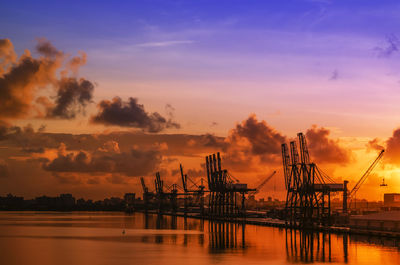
{"x":95,"y":94}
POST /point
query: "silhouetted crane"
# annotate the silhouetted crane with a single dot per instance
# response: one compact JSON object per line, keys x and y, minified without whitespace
{"x":199,"y":191}
{"x":353,"y":192}
{"x":262,"y":184}
{"x":147,"y":196}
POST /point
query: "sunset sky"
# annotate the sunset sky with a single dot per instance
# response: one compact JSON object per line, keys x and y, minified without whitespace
{"x":95,"y":94}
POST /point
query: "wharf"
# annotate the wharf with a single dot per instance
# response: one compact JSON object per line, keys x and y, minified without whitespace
{"x":262,"y":221}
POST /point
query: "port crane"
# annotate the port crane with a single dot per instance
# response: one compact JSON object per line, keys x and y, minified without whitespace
{"x":262,"y":184}
{"x":353,"y":192}
{"x":196,"y":189}
{"x":147,"y":195}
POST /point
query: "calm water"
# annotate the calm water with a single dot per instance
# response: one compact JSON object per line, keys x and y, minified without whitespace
{"x":115,"y":238}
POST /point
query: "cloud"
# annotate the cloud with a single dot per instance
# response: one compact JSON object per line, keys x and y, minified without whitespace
{"x":252,"y":144}
{"x":131,"y":114}
{"x":335,"y":75}
{"x":392,"y":153}
{"x":21,"y":81}
{"x":67,"y":179}
{"x":326,"y":150}
{"x":137,"y":162}
{"x":392,"y":46}
{"x":116,"y":179}
{"x":7,"y":55}
{"x":164,"y":43}
{"x":258,"y":136}
{"x":47,"y":49}
{"x":18,"y":84}
{"x":76,"y":62}
{"x":374,"y":144}
{"x":214,"y":124}
{"x":72,"y":97}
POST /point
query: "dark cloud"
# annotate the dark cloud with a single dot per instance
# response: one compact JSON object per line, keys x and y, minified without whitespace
{"x":392,"y":153}
{"x":134,"y":163}
{"x":391,"y":46}
{"x":252,"y":144}
{"x":335,"y":75}
{"x":72,"y":96}
{"x":210,"y":140}
{"x":326,"y":150}
{"x":22,"y":79}
{"x":47,"y":49}
{"x":131,"y":114}
{"x":259,"y":137}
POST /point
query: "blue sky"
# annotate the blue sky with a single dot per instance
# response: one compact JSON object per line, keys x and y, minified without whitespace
{"x":273,"y":58}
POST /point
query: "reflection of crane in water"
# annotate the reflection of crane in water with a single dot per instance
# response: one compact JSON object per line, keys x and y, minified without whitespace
{"x":224,"y":235}
{"x":303,"y":246}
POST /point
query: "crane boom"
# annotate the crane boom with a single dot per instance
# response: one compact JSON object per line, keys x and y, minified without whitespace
{"x":145,"y":190}
{"x":184,"y":179}
{"x":366,"y":174}
{"x":262,"y":184}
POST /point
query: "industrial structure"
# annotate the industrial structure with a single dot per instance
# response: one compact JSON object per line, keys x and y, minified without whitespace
{"x":308,"y":193}
{"x":225,"y":190}
{"x":166,"y":199}
{"x":308,"y":197}
{"x":261,"y":185}
{"x":353,"y":193}
{"x":196,"y":192}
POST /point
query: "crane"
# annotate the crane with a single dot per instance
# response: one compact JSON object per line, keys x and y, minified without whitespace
{"x":185,"y":179}
{"x":145,"y":189}
{"x":356,"y":187}
{"x":159,"y":184}
{"x":262,"y":184}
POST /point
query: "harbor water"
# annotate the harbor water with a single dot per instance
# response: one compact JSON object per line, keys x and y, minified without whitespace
{"x":116,"y":238}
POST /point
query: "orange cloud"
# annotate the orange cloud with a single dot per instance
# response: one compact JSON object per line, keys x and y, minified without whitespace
{"x":326,"y":150}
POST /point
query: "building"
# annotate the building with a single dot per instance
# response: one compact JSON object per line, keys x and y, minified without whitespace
{"x":383,"y":221}
{"x":391,"y":199}
{"x":129,"y":198}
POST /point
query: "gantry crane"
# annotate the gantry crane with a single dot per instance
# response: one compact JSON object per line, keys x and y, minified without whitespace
{"x":199,"y":191}
{"x":353,"y":192}
{"x":262,"y":184}
{"x":163,"y":196}
{"x":147,"y":196}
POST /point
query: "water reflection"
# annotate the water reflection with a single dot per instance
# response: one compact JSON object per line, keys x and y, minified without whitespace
{"x":224,"y":235}
{"x":379,"y":241}
{"x":305,"y":246}
{"x":161,"y":239}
